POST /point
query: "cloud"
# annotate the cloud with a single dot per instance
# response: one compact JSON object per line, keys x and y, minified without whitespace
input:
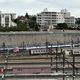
{"x":28,"y":1}
{"x":4,"y":1}
{"x":36,"y":6}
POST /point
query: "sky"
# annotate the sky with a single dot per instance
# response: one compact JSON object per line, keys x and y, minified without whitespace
{"x":32,"y":7}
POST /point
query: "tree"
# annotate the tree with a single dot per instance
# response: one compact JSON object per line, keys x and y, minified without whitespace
{"x":24,"y":23}
{"x":36,"y":27}
{"x":22,"y":26}
{"x":33,"y":24}
{"x":62,"y":26}
{"x":33,"y":18}
{"x":78,"y":21}
{"x":27,"y":16}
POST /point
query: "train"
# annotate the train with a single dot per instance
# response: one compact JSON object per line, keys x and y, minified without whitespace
{"x":32,"y":50}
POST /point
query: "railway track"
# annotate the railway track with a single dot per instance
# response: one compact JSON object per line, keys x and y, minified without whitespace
{"x":39,"y":61}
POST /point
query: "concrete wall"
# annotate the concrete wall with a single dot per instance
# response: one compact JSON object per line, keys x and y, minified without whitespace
{"x":17,"y":38}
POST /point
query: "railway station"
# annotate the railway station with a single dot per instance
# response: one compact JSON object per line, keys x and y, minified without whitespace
{"x":46,"y":61}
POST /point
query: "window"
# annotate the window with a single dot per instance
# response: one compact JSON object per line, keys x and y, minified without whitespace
{"x":7,"y":21}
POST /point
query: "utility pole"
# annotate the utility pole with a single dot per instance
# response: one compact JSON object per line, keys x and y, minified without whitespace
{"x":78,"y":40}
{"x":47,"y":50}
{"x":23,"y":45}
{"x":64,"y":36}
{"x":6,"y":61}
{"x":63,"y":64}
{"x":57,"y":57}
{"x":73,"y":56}
{"x":73,"y":66}
{"x":51,"y":55}
{"x":3,"y":46}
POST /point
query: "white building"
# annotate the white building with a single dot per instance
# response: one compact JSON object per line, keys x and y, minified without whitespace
{"x":6,"y":19}
{"x":46,"y":18}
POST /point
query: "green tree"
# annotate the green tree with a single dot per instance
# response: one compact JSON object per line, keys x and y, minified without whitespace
{"x":78,"y":23}
{"x":32,"y":23}
{"x":22,"y":26}
{"x":62,"y":26}
{"x":24,"y":23}
{"x":36,"y":27}
{"x":27,"y":16}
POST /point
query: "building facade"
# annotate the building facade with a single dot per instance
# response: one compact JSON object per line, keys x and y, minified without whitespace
{"x":6,"y":19}
{"x":46,"y":18}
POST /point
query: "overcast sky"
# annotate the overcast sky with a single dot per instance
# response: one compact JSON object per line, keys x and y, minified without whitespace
{"x":20,"y":7}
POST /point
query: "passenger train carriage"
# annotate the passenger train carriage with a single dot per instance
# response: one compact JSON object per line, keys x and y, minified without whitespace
{"x":32,"y":50}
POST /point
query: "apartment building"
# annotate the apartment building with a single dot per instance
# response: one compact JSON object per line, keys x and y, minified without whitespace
{"x":46,"y":18}
{"x":70,"y":20}
{"x":6,"y":19}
